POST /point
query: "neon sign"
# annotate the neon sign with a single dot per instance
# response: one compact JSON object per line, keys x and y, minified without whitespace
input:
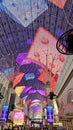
{"x":18,"y":118}
{"x":4,"y":113}
{"x":50,"y":115}
{"x":29,"y":76}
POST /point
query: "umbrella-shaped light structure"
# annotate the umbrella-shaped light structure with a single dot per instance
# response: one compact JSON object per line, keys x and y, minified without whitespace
{"x":31,"y":50}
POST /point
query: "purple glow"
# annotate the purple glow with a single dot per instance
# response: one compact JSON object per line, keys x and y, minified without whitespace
{"x":59,"y":32}
{"x":42,"y":92}
{"x":10,"y":38}
{"x":21,"y":11}
{"x":65,"y":43}
{"x":26,"y":61}
{"x":36,"y":108}
{"x":37,"y":74}
{"x":50,"y":115}
{"x":32,"y":91}
{"x":4,"y":113}
{"x":22,"y":59}
{"x":29,"y":41}
{"x":27,"y":88}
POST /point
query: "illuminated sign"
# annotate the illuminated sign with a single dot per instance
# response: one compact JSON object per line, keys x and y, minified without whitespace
{"x":50,"y":116}
{"x":2,"y":120}
{"x":16,"y":8}
{"x":18,"y":118}
{"x":29,"y":76}
{"x":4,"y":113}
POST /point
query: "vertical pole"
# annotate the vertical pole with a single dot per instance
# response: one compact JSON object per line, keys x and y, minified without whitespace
{"x":2,"y":127}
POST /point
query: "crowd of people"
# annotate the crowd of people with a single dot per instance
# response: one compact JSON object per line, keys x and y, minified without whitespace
{"x":35,"y":128}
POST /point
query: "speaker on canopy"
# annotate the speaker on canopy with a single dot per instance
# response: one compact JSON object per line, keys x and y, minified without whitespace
{"x":65,"y":43}
{"x":51,"y":95}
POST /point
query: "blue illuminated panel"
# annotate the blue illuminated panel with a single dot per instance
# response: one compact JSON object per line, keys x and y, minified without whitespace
{"x":4,"y":113}
{"x":50,"y":116}
{"x":29,"y":76}
{"x":24,"y":11}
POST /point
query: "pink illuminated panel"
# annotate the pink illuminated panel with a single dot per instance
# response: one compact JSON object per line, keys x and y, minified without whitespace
{"x":49,"y":49}
{"x":59,"y":3}
{"x":44,"y":43}
{"x":18,"y":118}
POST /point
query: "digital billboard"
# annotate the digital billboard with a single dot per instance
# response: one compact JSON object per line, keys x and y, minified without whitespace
{"x":18,"y":118}
{"x":4,"y":113}
{"x":50,"y":114}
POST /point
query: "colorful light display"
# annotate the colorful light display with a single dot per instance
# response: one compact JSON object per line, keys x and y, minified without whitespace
{"x":22,"y":59}
{"x":37,"y":108}
{"x":42,"y":92}
{"x":26,"y":89}
{"x":29,"y":41}
{"x":43,"y":50}
{"x":25,"y":96}
{"x":18,"y":78}
{"x":16,"y":8}
{"x":49,"y":56}
{"x":10,"y":38}
{"x":19,"y":89}
{"x":18,"y":118}
{"x":59,"y":32}
{"x":35,"y":100}
{"x":29,"y":76}
{"x":42,"y":76}
{"x":59,"y":3}
{"x":50,"y":113}
{"x":4,"y":113}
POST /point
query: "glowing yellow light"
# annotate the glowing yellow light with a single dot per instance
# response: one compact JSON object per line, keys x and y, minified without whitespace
{"x":19,"y":89}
